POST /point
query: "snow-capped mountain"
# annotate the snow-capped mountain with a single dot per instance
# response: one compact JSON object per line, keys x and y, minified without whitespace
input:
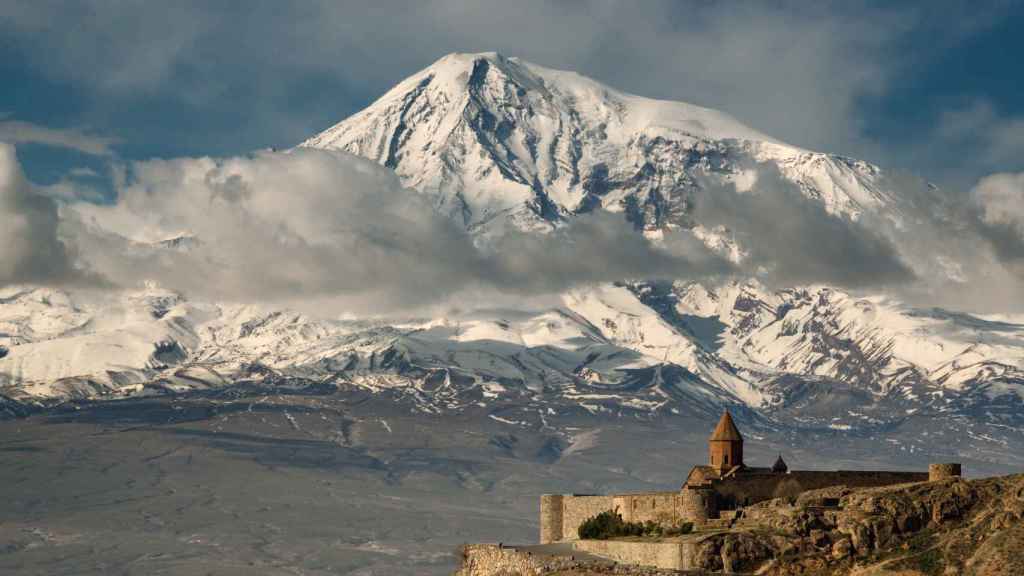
{"x":602,"y":346}
{"x":637,"y":348}
{"x":497,"y":142}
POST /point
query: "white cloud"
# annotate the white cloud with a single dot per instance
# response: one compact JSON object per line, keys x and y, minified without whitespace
{"x":794,"y":240}
{"x":317,"y":224}
{"x":995,"y":139}
{"x":31,"y":247}
{"x":1000,"y":201}
{"x":17,"y":132}
{"x":1001,"y":198}
{"x":83,"y":172}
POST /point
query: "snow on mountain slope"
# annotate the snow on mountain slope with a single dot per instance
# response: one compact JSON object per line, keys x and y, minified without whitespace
{"x":135,"y":336}
{"x":602,"y":346}
{"x":650,"y":348}
{"x":873,"y":343}
{"x":498,"y":140}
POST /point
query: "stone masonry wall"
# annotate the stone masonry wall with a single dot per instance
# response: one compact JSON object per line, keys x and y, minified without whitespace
{"x":698,"y":504}
{"x":944,"y":471}
{"x":576,"y":509}
{"x":493,"y":560}
{"x":661,"y":507}
{"x":551,"y":517}
{"x":561,"y":515}
{"x":758,"y":487}
{"x":671,"y":555}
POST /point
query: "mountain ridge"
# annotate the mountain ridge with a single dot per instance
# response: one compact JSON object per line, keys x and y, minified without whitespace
{"x":810,"y":356}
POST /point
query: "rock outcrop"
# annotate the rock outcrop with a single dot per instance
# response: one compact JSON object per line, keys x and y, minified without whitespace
{"x":955,"y":526}
{"x":949,"y":527}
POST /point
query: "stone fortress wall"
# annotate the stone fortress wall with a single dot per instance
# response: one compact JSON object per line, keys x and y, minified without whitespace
{"x":725,"y":485}
{"x":491,"y":559}
{"x":938,"y":472}
{"x":562,"y":514}
{"x":752,"y":488}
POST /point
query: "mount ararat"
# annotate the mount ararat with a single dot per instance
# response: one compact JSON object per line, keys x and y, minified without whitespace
{"x":499,"y":145}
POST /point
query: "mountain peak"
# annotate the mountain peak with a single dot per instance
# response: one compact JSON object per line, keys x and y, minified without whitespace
{"x":498,"y":141}
{"x":463,"y":58}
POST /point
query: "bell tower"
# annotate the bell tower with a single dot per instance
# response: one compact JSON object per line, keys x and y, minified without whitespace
{"x":726,"y":445}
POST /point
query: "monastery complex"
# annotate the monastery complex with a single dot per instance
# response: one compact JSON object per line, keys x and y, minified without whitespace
{"x":714,"y":495}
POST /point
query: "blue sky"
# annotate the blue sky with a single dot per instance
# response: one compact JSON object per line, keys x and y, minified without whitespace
{"x":932,"y":87}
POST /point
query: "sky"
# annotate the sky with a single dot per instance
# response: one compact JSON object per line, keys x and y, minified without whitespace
{"x":931,"y":87}
{"x":185,"y":92}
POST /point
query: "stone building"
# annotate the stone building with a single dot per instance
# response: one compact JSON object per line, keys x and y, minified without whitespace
{"x":714,"y":492}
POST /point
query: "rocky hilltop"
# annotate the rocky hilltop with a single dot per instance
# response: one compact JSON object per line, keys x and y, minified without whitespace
{"x":956,"y":526}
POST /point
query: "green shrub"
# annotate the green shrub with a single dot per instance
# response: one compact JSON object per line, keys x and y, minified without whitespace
{"x":607,"y":525}
{"x":610,"y":524}
{"x":680,"y":529}
{"x":600,"y":527}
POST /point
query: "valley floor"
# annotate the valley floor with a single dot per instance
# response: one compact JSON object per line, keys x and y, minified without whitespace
{"x":244,"y":481}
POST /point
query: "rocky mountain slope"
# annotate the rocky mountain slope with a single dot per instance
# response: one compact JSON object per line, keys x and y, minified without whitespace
{"x":502,"y":144}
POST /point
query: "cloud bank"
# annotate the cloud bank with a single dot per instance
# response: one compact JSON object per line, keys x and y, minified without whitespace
{"x":1000,"y":201}
{"x":316,"y":224}
{"x":17,"y":132}
{"x":31,"y":247}
{"x":791,"y":240}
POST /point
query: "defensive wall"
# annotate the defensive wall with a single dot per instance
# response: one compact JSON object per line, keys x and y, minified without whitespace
{"x":492,"y":559}
{"x":670,"y":555}
{"x":751,"y":488}
{"x":562,"y":514}
{"x":944,"y":471}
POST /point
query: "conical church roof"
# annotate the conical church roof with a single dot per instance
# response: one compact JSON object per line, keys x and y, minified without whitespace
{"x":726,"y":430}
{"x":780,"y":465}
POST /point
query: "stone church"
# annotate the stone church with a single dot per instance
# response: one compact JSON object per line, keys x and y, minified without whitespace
{"x":713,"y":493}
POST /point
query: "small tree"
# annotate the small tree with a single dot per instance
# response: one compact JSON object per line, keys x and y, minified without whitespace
{"x":609,"y":524}
{"x":602,"y":526}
